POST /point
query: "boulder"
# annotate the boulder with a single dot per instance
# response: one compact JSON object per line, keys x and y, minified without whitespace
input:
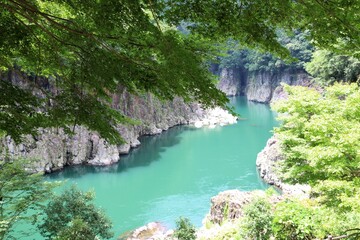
{"x":150,"y":231}
{"x":228,"y":205}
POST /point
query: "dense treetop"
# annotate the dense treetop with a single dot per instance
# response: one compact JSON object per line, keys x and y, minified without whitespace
{"x":327,"y":67}
{"x":254,"y":60}
{"x":320,"y":137}
{"x":88,"y":48}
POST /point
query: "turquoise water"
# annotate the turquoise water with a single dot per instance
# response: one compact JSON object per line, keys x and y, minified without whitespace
{"x":176,"y":173}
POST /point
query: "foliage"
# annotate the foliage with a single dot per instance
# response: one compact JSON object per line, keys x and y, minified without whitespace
{"x":71,"y":214}
{"x":257,"y":220}
{"x":87,"y":49}
{"x":320,"y":139}
{"x":184,"y":229}
{"x":293,"y":220}
{"x":77,"y":229}
{"x":256,"y":61}
{"x":306,"y":219}
{"x":328,"y":67}
{"x":340,"y":194}
{"x":320,"y":133}
{"x":21,"y":196}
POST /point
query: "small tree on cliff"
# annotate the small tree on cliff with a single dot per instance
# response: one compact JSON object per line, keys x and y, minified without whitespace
{"x":72,"y":215}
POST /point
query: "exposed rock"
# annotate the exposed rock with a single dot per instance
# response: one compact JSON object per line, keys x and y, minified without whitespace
{"x":267,"y":161}
{"x":151,"y":231}
{"x":229,"y":205}
{"x":215,"y":116}
{"x":230,"y":81}
{"x":260,"y":86}
{"x":265,"y":86}
{"x":53,"y":149}
{"x":302,"y":79}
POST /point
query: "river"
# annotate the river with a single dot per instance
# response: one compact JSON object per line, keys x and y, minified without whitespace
{"x":177,"y":172}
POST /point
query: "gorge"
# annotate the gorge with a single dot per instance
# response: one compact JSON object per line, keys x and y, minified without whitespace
{"x":172,"y":174}
{"x":176,"y":173}
{"x":52,"y":149}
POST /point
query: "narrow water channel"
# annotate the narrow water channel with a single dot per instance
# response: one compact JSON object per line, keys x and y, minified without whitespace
{"x":176,"y":173}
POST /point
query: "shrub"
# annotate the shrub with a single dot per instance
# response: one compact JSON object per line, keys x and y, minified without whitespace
{"x":184,"y":229}
{"x":257,"y":220}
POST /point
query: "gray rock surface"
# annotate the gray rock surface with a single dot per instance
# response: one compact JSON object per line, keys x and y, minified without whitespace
{"x":267,"y":163}
{"x":229,"y":205}
{"x":150,"y":231}
{"x":52,"y":149}
{"x":260,"y":86}
{"x":264,"y":87}
{"x":230,"y":81}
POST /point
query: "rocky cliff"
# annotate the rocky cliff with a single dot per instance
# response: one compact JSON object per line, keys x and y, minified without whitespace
{"x":259,"y":86}
{"x":232,"y":81}
{"x":268,"y":161}
{"x":52,"y":149}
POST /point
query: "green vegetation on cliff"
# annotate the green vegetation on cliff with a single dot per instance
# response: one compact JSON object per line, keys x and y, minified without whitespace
{"x":257,"y":61}
{"x":87,"y":49}
{"x":27,"y":200}
{"x":328,"y":67}
{"x":319,"y":135}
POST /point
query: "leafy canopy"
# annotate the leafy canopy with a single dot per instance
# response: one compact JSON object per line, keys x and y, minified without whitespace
{"x":320,"y":133}
{"x":320,"y":138}
{"x":256,"y":61}
{"x":86,"y":49}
{"x":328,"y":67}
{"x":185,"y":230}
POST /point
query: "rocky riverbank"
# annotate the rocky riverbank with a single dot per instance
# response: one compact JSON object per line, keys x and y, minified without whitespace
{"x":53,"y":149}
{"x":267,"y":161}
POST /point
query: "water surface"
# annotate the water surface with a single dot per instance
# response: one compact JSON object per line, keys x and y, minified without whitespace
{"x":176,"y":173}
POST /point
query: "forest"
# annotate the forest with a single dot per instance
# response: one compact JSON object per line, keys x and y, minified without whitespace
{"x":76,"y":55}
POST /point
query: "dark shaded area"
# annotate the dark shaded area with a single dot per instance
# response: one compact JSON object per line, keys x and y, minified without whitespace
{"x":150,"y":148}
{"x":148,"y":152}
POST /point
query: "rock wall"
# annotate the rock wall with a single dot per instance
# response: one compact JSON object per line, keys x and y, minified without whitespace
{"x":267,"y":163}
{"x":52,"y":149}
{"x":232,"y":81}
{"x":259,"y":86}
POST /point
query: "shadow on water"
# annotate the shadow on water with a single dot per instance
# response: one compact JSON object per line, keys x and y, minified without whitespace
{"x":149,"y":151}
{"x":151,"y":147}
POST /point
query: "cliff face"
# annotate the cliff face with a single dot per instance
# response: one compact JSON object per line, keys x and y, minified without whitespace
{"x":259,"y":86}
{"x":232,"y":81}
{"x":52,"y":149}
